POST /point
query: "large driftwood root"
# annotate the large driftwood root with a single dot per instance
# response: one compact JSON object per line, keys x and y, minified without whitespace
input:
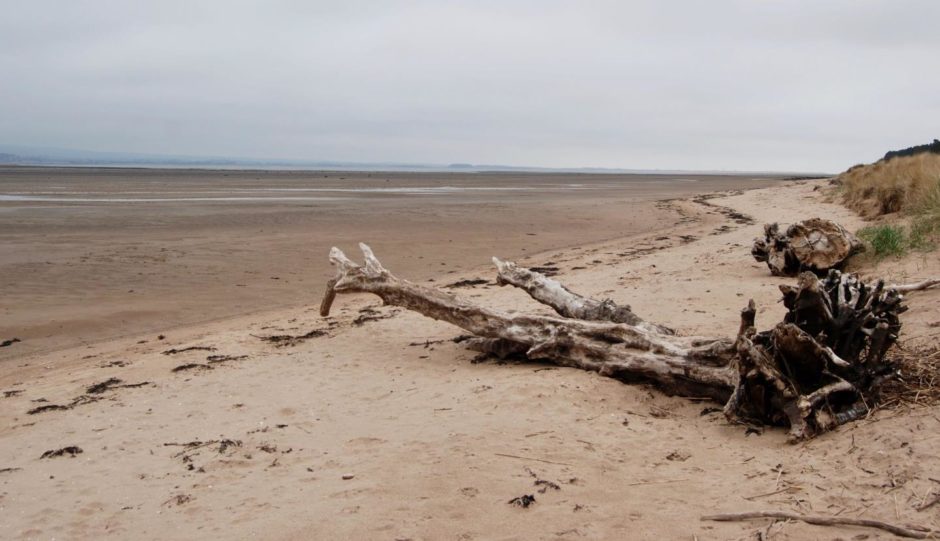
{"x":819,"y":368}
{"x":815,"y":245}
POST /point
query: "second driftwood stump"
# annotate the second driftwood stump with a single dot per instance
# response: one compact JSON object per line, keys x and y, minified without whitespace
{"x":815,"y":245}
{"x":818,"y":368}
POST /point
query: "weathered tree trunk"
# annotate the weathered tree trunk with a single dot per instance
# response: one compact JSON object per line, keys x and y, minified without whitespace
{"x":815,"y":245}
{"x":811,"y":372}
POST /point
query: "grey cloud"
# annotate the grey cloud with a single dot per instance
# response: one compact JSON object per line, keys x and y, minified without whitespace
{"x":786,"y":85}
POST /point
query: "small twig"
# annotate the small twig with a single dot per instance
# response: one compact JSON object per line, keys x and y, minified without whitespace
{"x":919,"y":533}
{"x":531,"y":458}
{"x":931,"y":503}
{"x":661,"y":481}
{"x":538,"y":433}
{"x":752,"y":498}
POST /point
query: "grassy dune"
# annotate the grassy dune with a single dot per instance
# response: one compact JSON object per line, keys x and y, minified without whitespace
{"x":905,"y":184}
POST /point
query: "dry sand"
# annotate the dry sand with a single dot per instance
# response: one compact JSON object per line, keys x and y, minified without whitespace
{"x":386,"y":430}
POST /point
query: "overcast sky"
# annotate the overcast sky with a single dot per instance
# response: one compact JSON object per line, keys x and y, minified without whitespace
{"x":797,"y":85}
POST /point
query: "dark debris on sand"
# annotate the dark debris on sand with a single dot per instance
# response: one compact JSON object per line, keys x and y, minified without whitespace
{"x":9,"y":342}
{"x":71,"y":451}
{"x":468,"y":283}
{"x":191,"y":366}
{"x":285,"y":340}
{"x":523,"y":501}
{"x":174,"y":351}
{"x":368,"y":314}
{"x":225,"y":358}
{"x":78,"y":401}
{"x":193,"y":448}
{"x":179,"y":499}
{"x":113,"y":383}
{"x":543,"y":484}
{"x":547,"y":270}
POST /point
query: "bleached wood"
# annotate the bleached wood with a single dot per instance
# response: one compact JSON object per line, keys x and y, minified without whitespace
{"x":811,"y":372}
{"x":566,"y":302}
{"x":919,"y":533}
{"x":815,"y":245}
{"x":917,"y":286}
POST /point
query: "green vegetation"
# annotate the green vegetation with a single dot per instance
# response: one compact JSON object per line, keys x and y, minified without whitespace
{"x":903,"y":182}
{"x":884,"y":240}
{"x":894,"y":240}
{"x":923,"y":233}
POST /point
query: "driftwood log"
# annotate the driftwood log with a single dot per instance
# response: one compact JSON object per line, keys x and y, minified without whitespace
{"x":815,"y":245}
{"x":819,"y":368}
{"x":914,"y":532}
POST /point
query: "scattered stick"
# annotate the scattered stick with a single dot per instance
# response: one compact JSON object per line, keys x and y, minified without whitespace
{"x":917,"y":286}
{"x":914,"y":532}
{"x":782,"y":490}
{"x":174,"y":351}
{"x":660,"y":482}
{"x":931,"y":503}
{"x":530,"y":458}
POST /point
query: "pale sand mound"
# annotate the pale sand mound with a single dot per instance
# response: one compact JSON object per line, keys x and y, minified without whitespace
{"x":357,"y":434}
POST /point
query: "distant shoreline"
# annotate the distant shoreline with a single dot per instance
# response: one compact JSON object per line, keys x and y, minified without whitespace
{"x":481,"y":170}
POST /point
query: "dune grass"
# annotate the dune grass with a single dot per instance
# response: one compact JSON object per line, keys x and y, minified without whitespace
{"x":907,"y":183}
{"x":890,"y":240}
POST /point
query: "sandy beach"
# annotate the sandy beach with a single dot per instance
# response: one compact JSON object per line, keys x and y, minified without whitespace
{"x":93,"y":253}
{"x":379,"y":427}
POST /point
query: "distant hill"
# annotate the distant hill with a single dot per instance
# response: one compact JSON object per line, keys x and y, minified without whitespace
{"x":912,"y":151}
{"x":39,"y":156}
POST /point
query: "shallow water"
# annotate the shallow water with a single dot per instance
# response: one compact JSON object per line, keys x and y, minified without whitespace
{"x":82,"y":199}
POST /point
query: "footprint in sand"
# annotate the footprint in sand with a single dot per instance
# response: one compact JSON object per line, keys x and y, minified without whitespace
{"x":365,"y":442}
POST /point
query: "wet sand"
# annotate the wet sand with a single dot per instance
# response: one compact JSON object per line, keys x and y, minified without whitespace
{"x":90,"y":254}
